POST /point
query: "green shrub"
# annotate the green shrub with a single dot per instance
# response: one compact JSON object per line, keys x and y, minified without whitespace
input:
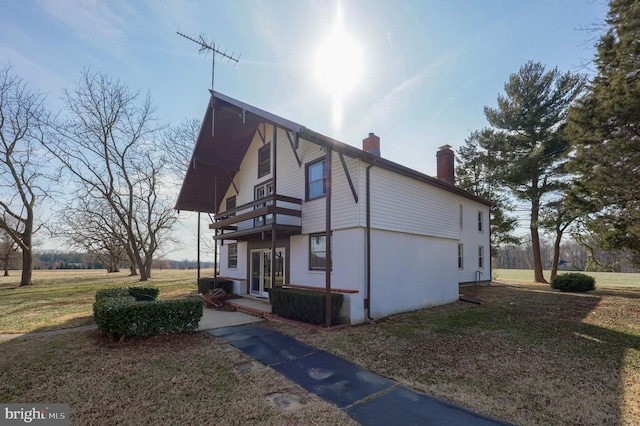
{"x":120,"y":317}
{"x":207,"y":284}
{"x":573,"y":282}
{"x":118,"y":314}
{"x":112,"y":292}
{"x":139,"y":291}
{"x":304,"y":305}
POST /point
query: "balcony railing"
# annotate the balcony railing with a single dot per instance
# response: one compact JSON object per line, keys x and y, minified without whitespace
{"x":273,"y":212}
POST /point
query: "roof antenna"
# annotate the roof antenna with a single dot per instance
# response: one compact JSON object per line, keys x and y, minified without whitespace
{"x":206,"y":46}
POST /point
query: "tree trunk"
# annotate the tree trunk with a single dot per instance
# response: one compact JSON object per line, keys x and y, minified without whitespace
{"x":27,"y":260}
{"x":535,"y":240}
{"x":556,"y":254}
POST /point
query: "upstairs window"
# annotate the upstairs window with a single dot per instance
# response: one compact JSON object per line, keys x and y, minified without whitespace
{"x":480,"y":222}
{"x":461,"y":216}
{"x":264,"y":160}
{"x":231,"y":204}
{"x":316,"y":180}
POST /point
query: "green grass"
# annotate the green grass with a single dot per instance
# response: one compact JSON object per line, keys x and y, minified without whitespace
{"x":603,"y":279}
{"x":63,"y":299}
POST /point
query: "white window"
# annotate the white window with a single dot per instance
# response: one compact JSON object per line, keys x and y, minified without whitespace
{"x":480,"y":222}
{"x":316,"y":180}
{"x":232,"y":256}
{"x":481,"y":257}
{"x":264,"y":160}
{"x":461,"y":221}
{"x":460,"y":256}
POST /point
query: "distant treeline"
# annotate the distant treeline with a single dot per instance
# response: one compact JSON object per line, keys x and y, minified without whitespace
{"x":73,"y":260}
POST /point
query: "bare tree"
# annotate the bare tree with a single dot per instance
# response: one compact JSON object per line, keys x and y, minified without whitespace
{"x":107,"y":143}
{"x":8,"y":251}
{"x":22,"y":167}
{"x":178,"y":143}
{"x":90,"y":226}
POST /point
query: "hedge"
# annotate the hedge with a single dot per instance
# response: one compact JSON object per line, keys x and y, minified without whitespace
{"x":137,"y":292}
{"x":573,"y":282}
{"x":120,"y":315}
{"x":304,"y":305}
{"x":207,"y":284}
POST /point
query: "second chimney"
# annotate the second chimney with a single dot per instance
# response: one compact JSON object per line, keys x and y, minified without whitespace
{"x":371,"y":144}
{"x":445,"y":157}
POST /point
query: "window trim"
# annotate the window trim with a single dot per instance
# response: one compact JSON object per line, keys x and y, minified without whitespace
{"x":265,"y":148}
{"x":321,"y":160}
{"x":230,"y":257}
{"x":319,"y":234}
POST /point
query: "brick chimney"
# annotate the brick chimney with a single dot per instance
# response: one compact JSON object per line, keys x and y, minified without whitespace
{"x":445,"y":157}
{"x":371,"y":144}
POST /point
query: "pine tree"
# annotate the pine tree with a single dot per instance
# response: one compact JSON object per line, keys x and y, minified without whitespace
{"x":475,"y":173}
{"x":604,"y":129}
{"x":525,"y":139}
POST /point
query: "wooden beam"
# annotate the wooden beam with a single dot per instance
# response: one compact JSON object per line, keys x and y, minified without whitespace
{"x":346,"y":172}
{"x":294,"y":147}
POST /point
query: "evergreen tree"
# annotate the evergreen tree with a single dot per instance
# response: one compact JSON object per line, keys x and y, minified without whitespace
{"x":475,"y":173}
{"x":604,"y":129}
{"x":525,"y":139}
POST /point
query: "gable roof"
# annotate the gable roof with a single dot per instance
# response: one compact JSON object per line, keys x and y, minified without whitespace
{"x":228,"y":127}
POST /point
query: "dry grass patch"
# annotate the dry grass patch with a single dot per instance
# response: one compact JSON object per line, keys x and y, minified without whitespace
{"x":189,"y":379}
{"x":527,"y":355}
{"x":63,"y":299}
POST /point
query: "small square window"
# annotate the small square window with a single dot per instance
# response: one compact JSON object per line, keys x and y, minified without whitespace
{"x":264,"y":160}
{"x":316,"y":180}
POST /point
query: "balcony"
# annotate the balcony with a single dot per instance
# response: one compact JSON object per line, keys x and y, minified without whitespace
{"x":254,"y":220}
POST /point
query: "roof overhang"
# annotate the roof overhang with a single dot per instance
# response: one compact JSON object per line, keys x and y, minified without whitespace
{"x":227,"y":129}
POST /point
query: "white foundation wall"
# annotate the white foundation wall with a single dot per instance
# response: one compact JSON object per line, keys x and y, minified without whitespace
{"x":409,"y":272}
{"x":240,"y":272}
{"x":348,"y":267}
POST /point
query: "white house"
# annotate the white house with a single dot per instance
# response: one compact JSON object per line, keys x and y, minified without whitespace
{"x":400,"y":240}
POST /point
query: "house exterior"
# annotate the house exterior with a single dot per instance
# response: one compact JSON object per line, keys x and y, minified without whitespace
{"x":399,"y":240}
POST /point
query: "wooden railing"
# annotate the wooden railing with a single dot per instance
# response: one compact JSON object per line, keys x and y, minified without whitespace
{"x":271,"y":212}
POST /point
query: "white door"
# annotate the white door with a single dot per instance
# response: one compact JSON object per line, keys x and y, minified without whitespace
{"x":261,"y":271}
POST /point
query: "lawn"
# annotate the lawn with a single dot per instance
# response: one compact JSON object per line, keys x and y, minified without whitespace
{"x":64,"y":298}
{"x":525,"y":354}
{"x":603,"y":279}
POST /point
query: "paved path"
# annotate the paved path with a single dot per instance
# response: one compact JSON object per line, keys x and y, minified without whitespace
{"x":366,"y":397}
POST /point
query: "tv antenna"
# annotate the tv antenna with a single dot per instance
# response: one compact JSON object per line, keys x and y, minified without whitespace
{"x":206,"y":47}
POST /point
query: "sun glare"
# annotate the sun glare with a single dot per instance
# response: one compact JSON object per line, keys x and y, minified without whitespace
{"x":338,"y":66}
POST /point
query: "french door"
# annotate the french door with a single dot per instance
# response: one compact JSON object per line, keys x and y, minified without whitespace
{"x":261,"y":271}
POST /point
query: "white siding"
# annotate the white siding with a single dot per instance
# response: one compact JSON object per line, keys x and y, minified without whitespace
{"x":471,"y":239}
{"x":402,"y":204}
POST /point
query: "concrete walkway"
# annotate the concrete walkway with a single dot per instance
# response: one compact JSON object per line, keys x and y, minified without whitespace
{"x":366,"y":397}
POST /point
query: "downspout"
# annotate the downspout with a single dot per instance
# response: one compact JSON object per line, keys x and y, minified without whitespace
{"x":368,"y":247}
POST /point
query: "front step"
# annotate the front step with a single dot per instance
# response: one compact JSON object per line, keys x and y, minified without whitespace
{"x":250,"y":306}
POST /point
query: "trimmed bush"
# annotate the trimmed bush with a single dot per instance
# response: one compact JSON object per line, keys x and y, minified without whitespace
{"x":573,"y":282}
{"x":139,"y":291}
{"x":207,"y":284}
{"x":119,"y":315}
{"x":304,"y":305}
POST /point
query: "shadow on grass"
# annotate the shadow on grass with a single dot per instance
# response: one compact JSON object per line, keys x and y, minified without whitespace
{"x":587,"y":344}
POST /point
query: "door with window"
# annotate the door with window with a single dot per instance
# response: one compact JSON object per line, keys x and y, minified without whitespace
{"x":261,"y":271}
{"x":261,"y":191}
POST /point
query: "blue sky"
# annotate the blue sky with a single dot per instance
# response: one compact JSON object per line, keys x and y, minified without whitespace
{"x":429,"y":67}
